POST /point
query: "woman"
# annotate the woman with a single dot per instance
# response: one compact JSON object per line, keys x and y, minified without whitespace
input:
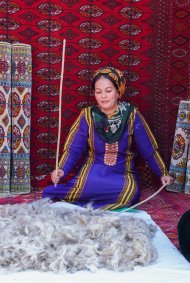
{"x":108,"y":131}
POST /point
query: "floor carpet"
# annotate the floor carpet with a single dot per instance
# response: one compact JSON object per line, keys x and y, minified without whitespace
{"x":166,"y":208}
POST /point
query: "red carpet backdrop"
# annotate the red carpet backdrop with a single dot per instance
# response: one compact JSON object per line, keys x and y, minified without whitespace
{"x":148,"y":40}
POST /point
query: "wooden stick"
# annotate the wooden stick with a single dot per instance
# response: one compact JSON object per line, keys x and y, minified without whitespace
{"x":60,"y":104}
{"x":145,"y":200}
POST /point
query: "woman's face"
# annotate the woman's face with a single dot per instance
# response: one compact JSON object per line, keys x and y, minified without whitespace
{"x":106,"y":95}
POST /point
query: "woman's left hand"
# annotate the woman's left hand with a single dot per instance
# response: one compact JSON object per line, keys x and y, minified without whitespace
{"x":167,"y":180}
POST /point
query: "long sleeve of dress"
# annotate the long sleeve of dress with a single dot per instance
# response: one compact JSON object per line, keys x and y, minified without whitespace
{"x":147,"y":145}
{"x":75,"y":144}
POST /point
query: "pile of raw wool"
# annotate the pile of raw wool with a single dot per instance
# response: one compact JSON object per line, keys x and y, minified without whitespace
{"x":46,"y":237}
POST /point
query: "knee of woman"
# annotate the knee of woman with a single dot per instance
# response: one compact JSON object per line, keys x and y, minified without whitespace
{"x":46,"y":192}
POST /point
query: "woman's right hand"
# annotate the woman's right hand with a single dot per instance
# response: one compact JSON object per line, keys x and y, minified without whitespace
{"x":56,"y":175}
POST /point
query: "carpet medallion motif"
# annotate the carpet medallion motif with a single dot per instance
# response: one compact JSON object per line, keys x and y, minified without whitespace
{"x":15,"y":100}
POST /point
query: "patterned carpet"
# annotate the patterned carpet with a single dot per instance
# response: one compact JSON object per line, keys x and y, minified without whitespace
{"x":165,"y":209}
{"x":147,"y":40}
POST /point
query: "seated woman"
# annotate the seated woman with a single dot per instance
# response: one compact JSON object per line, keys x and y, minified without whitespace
{"x":107,"y":178}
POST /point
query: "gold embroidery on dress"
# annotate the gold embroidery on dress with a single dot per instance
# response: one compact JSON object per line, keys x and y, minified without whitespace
{"x":111,"y":151}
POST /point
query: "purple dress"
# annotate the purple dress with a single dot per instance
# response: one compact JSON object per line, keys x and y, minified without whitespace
{"x":107,"y":177}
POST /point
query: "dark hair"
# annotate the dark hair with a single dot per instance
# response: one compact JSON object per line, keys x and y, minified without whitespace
{"x":94,"y":80}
